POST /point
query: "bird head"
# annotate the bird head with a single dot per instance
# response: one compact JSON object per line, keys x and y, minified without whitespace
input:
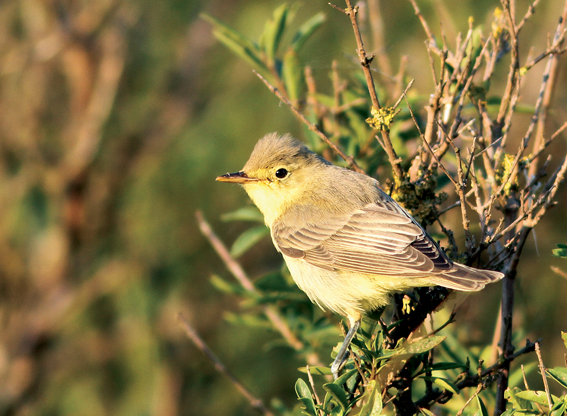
{"x":280,"y":172}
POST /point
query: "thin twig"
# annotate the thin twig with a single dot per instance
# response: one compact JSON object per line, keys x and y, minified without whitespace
{"x":349,"y":159}
{"x":315,"y":396}
{"x":365,"y":61}
{"x":543,"y":375}
{"x":221,"y":368}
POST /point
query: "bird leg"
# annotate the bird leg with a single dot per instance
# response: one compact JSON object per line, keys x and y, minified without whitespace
{"x":342,"y":354}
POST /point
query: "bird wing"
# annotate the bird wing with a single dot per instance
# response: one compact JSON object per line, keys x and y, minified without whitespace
{"x":380,"y":238}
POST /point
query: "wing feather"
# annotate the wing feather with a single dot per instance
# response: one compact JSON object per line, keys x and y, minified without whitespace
{"x":380,"y":238}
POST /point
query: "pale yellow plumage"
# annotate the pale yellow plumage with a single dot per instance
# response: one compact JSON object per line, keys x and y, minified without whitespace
{"x":347,"y":244}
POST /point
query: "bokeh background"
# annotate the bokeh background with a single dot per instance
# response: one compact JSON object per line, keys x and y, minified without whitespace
{"x":115,"y":118}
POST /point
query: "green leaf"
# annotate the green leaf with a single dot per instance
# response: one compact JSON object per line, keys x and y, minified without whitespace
{"x":560,"y":252}
{"x":538,"y":397}
{"x":564,"y":337}
{"x":518,"y":402}
{"x":426,"y":412}
{"x":481,"y":406}
{"x":317,"y":370}
{"x":306,"y":30}
{"x":237,"y":43}
{"x":344,"y":377}
{"x":304,"y":395}
{"x":226,"y":287}
{"x":517,"y":376}
{"x":442,"y":366}
{"x":248,"y":319}
{"x":419,"y":346}
{"x":249,"y":213}
{"x":338,"y":394}
{"x":443,"y":383}
{"x":273,"y":297}
{"x":274,"y":30}
{"x":374,"y":405}
{"x":247,"y":239}
{"x":245,"y":53}
{"x":560,"y":408}
{"x":293,"y":75}
{"x":559,"y":374}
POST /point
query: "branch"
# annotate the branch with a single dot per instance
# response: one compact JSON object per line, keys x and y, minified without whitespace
{"x":365,"y":61}
{"x":438,"y":396}
{"x":349,"y":159}
{"x":221,"y":368}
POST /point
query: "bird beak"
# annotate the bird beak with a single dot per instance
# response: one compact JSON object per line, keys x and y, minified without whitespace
{"x":237,"y":177}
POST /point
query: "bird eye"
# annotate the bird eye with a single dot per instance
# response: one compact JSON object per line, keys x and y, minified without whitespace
{"x":281,"y":173}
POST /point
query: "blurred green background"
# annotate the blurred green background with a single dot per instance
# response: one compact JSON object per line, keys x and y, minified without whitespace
{"x":115,"y":118}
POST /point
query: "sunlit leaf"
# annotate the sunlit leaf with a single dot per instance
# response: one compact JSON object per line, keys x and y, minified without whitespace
{"x":511,"y":395}
{"x":226,"y":287}
{"x":306,"y":30}
{"x":247,"y":239}
{"x":248,"y":213}
{"x":559,"y":374}
{"x":481,"y":407}
{"x":538,"y":397}
{"x":560,"y":251}
{"x":316,"y":370}
{"x":237,"y":43}
{"x":248,"y":319}
{"x":274,"y":30}
{"x":293,"y":75}
{"x":443,"y":383}
{"x":374,"y":405}
{"x":338,"y":394}
{"x":420,"y":346}
{"x":304,"y":395}
{"x":560,"y":407}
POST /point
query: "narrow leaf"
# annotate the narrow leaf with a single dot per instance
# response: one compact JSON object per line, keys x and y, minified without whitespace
{"x":247,"y":239}
{"x":374,"y":405}
{"x":559,"y":374}
{"x":538,"y":397}
{"x":274,"y":30}
{"x":306,"y":30}
{"x":249,"y":213}
{"x":337,"y":393}
{"x":560,"y":408}
{"x":245,"y":53}
{"x":564,"y":337}
{"x":481,"y":406}
{"x":226,"y":287}
{"x":293,"y":75}
{"x":444,"y":383}
{"x":236,"y":42}
{"x":317,"y":370}
{"x":304,"y":395}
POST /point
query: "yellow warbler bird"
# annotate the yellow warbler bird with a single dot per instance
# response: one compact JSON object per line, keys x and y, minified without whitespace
{"x":346,"y":243}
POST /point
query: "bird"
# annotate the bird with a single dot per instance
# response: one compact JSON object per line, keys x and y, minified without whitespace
{"x":347,"y":244}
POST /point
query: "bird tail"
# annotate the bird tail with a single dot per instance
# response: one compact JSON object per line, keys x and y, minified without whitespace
{"x":465,"y":278}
